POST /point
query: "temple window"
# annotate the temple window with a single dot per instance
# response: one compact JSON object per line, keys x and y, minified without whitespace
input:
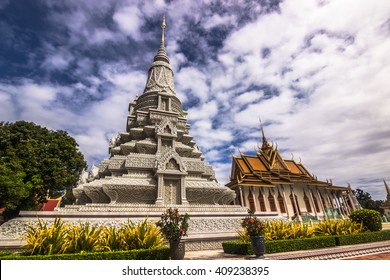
{"x":281,"y":204}
{"x":251,"y":201}
{"x":164,"y":104}
{"x":307,"y":203}
{"x":316,"y":203}
{"x":167,"y":130}
{"x":263,"y":208}
{"x":271,"y":201}
{"x":172,"y":165}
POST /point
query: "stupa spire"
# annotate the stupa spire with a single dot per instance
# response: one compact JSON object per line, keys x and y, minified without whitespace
{"x":163,"y":25}
{"x":161,"y":53}
{"x":387,"y":187}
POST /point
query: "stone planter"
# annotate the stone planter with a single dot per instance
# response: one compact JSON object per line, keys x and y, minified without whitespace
{"x":258,"y":246}
{"x":177,"y":250}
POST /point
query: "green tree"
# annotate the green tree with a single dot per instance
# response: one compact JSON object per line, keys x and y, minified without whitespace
{"x":36,"y":162}
{"x":367,"y":202}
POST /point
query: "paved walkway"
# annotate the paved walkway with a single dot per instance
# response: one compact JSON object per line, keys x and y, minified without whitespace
{"x":360,"y":251}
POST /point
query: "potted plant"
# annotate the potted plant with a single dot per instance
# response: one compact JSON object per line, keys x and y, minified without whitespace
{"x":255,"y":229}
{"x":174,"y":226}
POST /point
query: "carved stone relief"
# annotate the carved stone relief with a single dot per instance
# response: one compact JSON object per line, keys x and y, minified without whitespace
{"x":172,"y":192}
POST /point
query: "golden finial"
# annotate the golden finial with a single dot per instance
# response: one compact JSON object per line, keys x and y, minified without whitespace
{"x":231,"y":152}
{"x":163,"y":25}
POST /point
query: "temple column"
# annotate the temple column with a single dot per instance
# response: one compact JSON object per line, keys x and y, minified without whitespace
{"x":351,"y":200}
{"x":346,"y":204}
{"x":314,"y":205}
{"x":339,"y":200}
{"x":337,"y":204}
{"x":276,"y":202}
{"x":285,"y":202}
{"x":322,"y":204}
{"x":295,"y":204}
{"x":330,"y":202}
{"x":241,"y":197}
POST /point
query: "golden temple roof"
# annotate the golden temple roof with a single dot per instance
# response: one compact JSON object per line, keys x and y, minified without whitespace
{"x":267,"y":168}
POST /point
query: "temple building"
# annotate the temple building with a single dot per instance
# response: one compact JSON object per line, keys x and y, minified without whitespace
{"x":386,"y":205}
{"x":274,"y":186}
{"x":155,"y":161}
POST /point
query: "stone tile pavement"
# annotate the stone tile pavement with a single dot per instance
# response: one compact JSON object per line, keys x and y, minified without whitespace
{"x":341,"y":252}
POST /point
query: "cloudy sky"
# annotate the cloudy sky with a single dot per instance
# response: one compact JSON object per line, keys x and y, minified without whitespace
{"x":317,"y":73}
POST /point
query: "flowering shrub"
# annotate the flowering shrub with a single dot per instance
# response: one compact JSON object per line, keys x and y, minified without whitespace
{"x":252,"y":225}
{"x":173,"y":225}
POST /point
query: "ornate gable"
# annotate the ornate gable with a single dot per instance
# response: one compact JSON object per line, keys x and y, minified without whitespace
{"x":166,"y":127}
{"x":170,"y":160}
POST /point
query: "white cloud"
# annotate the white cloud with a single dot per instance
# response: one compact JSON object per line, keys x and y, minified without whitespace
{"x":129,"y":20}
{"x":327,"y":60}
{"x":217,"y":20}
{"x":7,"y":109}
{"x":208,"y":137}
{"x":193,"y":82}
{"x":249,"y":97}
{"x":207,"y":110}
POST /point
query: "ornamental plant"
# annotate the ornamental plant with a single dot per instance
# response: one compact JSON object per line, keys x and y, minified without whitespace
{"x":143,"y":235}
{"x":252,"y":225}
{"x":44,"y":239}
{"x":371,"y":219}
{"x":173,"y":225}
{"x":338,"y":227}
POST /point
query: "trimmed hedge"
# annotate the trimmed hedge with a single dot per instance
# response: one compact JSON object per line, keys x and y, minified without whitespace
{"x":277,"y":246}
{"x":287,"y":245}
{"x":141,"y":254}
{"x":238,"y":247}
{"x":366,"y":237}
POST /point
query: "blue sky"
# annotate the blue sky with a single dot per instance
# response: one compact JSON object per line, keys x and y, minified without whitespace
{"x":315,"y":72}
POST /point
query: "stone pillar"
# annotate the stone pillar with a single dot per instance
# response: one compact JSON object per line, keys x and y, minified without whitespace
{"x":159,"y":144}
{"x":183,"y":190}
{"x":160,"y":189}
{"x":159,"y":102}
